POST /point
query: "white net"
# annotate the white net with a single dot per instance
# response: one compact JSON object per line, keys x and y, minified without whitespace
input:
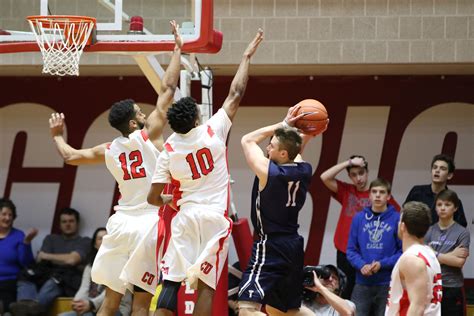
{"x":61,"y":41}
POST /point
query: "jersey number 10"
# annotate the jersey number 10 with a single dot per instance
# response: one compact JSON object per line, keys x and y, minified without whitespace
{"x":205,"y":162}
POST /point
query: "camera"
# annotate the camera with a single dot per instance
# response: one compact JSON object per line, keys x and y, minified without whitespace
{"x":321,"y":271}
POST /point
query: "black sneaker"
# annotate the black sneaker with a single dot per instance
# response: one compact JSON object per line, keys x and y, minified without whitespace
{"x":25,"y":308}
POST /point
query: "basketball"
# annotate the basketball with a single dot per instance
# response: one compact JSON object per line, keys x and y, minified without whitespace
{"x":314,"y":123}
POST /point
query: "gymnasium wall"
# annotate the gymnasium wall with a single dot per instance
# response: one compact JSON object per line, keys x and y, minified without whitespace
{"x":398,"y":122}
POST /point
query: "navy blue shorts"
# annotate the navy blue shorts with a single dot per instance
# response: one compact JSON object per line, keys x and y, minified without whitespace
{"x":274,"y":275}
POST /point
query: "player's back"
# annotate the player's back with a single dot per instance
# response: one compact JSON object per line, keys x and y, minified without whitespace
{"x":398,"y":302}
{"x":275,"y":209}
{"x":131,"y":161}
{"x":197,"y":163}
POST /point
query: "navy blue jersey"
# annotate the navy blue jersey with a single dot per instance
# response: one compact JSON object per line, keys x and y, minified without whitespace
{"x":276,"y":208}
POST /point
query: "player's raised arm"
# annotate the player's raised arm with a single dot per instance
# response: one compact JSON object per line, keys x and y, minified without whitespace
{"x":239,"y":83}
{"x":157,"y":119}
{"x":254,"y":155}
{"x":70,"y":155}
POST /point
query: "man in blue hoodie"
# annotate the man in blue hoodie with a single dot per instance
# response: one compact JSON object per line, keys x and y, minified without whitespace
{"x":373,"y":249}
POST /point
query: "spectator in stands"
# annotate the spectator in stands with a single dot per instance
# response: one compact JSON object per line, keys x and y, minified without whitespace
{"x":15,"y":253}
{"x":442,"y":170}
{"x":450,"y":241}
{"x":353,"y":198}
{"x":373,"y":249}
{"x":90,"y":295}
{"x":326,"y":300}
{"x":58,"y":269}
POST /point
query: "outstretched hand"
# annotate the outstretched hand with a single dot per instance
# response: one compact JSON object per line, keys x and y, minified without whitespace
{"x":56,"y":124}
{"x":30,"y":235}
{"x":292,"y":115}
{"x":252,"y":48}
{"x":177,"y":34}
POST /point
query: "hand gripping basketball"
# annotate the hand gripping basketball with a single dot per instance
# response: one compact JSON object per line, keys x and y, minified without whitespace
{"x":312,"y":117}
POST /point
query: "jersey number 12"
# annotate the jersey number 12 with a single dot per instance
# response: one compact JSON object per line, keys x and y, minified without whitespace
{"x":136,"y":168}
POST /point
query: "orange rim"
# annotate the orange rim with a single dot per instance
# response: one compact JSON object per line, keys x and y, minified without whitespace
{"x":62,"y":20}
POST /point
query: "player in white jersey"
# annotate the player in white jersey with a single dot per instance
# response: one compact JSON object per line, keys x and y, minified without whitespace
{"x":195,"y":161}
{"x":126,"y":259}
{"x":415,"y":287}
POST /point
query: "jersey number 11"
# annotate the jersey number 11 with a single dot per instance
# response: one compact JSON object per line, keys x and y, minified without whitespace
{"x":292,"y":193}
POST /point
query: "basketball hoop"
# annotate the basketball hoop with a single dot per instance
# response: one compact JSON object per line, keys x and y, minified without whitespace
{"x":62,"y":39}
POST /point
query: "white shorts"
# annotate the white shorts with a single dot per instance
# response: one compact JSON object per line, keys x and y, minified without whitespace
{"x":129,"y":252}
{"x":198,"y":247}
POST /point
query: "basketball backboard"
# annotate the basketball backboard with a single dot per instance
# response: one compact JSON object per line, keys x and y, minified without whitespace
{"x":113,"y":24}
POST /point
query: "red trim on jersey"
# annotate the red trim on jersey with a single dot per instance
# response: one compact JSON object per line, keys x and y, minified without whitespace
{"x":420,"y":255}
{"x":161,"y":234}
{"x":168,"y":147}
{"x":158,"y":243}
{"x":210,"y":131}
{"x":108,"y":146}
{"x":404,"y":303}
{"x":228,"y":183}
{"x":221,"y":241}
{"x":144,"y":134}
{"x":167,"y":214}
{"x":177,"y":193}
{"x":221,"y":245}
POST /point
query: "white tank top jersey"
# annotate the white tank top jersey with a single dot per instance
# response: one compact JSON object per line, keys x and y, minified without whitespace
{"x":398,"y":301}
{"x":131,"y":161}
{"x":196,"y":164}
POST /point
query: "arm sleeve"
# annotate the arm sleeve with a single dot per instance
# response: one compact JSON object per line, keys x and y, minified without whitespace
{"x":342,"y":188}
{"x":25,"y":254}
{"x":47,"y":245}
{"x":465,"y":239}
{"x":162,"y":174}
{"x":351,"y":304}
{"x":220,"y":124}
{"x":83,"y":248}
{"x":353,"y":247}
{"x":459,"y":216}
{"x":83,"y":292}
{"x":97,"y":301}
{"x":389,"y":262}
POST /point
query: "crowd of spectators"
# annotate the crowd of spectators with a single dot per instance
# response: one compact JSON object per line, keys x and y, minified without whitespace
{"x":366,"y":242}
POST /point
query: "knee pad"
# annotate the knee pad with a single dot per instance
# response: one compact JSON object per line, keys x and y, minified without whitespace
{"x":138,"y":289}
{"x":168,"y":298}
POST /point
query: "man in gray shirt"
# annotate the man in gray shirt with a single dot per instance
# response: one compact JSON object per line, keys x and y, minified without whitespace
{"x":58,"y":269}
{"x":450,"y":241}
